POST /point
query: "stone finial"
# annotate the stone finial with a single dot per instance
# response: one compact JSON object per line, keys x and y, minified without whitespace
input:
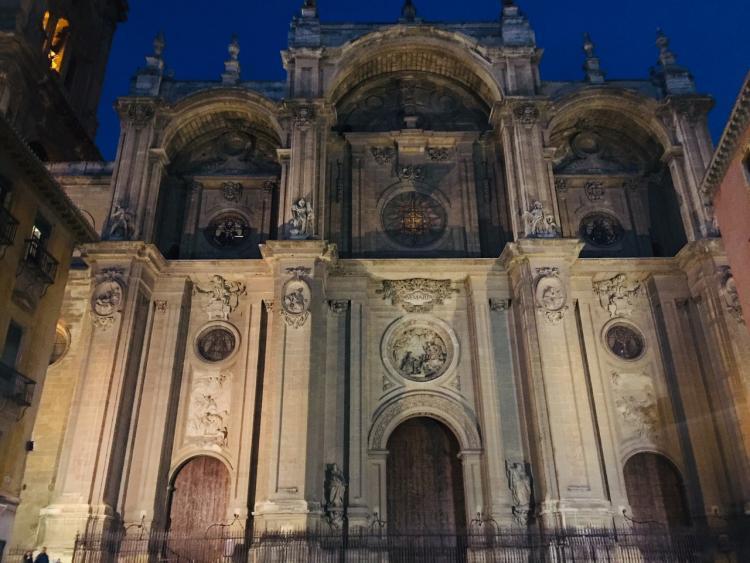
{"x":310,"y":9}
{"x":591,"y":66}
{"x":515,"y":27}
{"x":409,"y":12}
{"x":232,"y":68}
{"x":672,"y":78}
{"x":148,"y":79}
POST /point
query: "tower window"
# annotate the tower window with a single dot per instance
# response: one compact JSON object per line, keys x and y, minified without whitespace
{"x":57,"y":31}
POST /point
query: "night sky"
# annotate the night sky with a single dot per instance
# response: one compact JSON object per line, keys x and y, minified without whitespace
{"x":711,"y":38}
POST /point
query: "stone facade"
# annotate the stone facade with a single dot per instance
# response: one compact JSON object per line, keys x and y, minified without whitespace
{"x":414,"y":225}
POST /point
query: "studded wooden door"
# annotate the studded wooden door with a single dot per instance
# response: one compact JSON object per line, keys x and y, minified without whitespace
{"x":424,"y":479}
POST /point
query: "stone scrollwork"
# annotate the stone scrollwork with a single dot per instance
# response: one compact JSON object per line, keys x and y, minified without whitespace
{"x":527,"y":114}
{"x":635,"y":401}
{"x":728,"y":289}
{"x":519,"y":483}
{"x":139,"y":114}
{"x":383,"y":155}
{"x":538,"y":224}
{"x":417,"y":295}
{"x":222,"y":297}
{"x":208,"y":411}
{"x":304,"y":116}
{"x":338,"y":307}
{"x":500,"y":305}
{"x":437,"y":154}
{"x":296,"y":297}
{"x":108,"y":296}
{"x":411,"y":173}
{"x":231,"y":191}
{"x":550,"y":295}
{"x":617,"y":295}
{"x":594,"y":190}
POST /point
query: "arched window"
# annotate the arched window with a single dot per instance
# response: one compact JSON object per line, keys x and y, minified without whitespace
{"x":655,"y":491}
{"x":57,"y":32}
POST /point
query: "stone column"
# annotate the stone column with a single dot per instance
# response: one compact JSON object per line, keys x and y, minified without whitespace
{"x":95,"y":446}
{"x":192,"y":214}
{"x":529,"y":177}
{"x":569,"y":485}
{"x":291,"y":473}
{"x":497,"y":502}
{"x":145,"y":486}
{"x":130,"y":177}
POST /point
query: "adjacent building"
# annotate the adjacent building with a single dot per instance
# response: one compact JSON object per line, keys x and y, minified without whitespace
{"x":727,"y":189}
{"x":50,"y":81}
{"x":412,"y":288}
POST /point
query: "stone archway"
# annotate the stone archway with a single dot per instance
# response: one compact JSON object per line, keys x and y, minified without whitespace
{"x":655,"y":491}
{"x":425,"y":479}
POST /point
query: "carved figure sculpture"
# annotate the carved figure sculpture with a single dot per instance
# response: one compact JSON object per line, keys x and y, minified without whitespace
{"x":335,"y":490}
{"x":539,"y":225}
{"x":519,"y":482}
{"x":301,"y":222}
{"x":223,"y":297}
{"x":616,"y":294}
{"x":121,"y":223}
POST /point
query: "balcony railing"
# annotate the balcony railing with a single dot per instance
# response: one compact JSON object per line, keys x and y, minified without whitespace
{"x":15,"y":386}
{"x":41,"y":262}
{"x":8,"y":226}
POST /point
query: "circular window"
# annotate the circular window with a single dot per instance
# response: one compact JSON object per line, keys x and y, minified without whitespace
{"x":414,"y":220}
{"x":216,"y":344}
{"x":419,"y":349}
{"x":62,"y":343}
{"x":228,"y":230}
{"x":625,"y":342}
{"x":600,"y":229}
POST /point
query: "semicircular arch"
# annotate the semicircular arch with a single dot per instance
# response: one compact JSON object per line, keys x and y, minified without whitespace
{"x":450,"y":55}
{"x":204,"y":112}
{"x":424,"y":404}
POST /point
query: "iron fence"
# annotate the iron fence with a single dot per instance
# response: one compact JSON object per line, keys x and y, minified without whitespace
{"x":373,"y":546}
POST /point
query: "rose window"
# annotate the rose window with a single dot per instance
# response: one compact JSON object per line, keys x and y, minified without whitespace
{"x":414,"y":220}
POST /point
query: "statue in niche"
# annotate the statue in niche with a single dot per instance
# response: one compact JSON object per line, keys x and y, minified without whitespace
{"x":335,"y":492}
{"x":519,"y":482}
{"x":300,"y":226}
{"x":121,"y":223}
{"x":538,"y":224}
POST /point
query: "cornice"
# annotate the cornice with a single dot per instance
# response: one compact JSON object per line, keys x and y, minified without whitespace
{"x":739,"y":121}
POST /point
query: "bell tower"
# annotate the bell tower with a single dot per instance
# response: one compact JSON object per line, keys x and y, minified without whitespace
{"x":53,"y":55}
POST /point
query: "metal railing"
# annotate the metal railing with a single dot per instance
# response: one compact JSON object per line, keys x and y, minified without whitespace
{"x":506,"y":546}
{"x":16,"y":386}
{"x":41,"y":262}
{"x":8,"y":226}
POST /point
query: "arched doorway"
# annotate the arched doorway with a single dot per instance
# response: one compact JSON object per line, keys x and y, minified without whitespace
{"x":200,"y":496}
{"x":424,"y":479}
{"x":655,"y":491}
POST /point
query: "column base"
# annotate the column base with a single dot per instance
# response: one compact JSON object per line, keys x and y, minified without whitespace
{"x":288,"y":517}
{"x":60,"y":524}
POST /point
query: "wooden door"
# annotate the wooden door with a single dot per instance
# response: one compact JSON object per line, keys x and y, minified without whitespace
{"x":655,"y":491}
{"x":424,"y":480}
{"x":200,"y":496}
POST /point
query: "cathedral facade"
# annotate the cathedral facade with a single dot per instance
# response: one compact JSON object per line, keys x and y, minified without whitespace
{"x":415,"y":284}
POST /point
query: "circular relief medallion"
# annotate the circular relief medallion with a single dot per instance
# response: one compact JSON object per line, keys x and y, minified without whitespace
{"x":550,"y":293}
{"x":625,"y":342}
{"x":601,"y":229}
{"x":107,"y":298}
{"x":414,"y":220}
{"x":228,"y":230}
{"x":216,"y":344}
{"x":419,"y":350}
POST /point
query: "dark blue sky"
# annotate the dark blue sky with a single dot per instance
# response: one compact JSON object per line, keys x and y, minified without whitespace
{"x":710,"y":37}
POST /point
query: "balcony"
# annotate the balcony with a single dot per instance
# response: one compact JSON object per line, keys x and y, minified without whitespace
{"x":40,"y":262}
{"x":16,"y":387}
{"x":8,"y":226}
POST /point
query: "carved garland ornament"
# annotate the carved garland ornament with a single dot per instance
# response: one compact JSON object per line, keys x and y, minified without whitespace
{"x":296,"y":297}
{"x":431,"y":406}
{"x":550,"y":295}
{"x":108,"y":296}
{"x":417,"y":295}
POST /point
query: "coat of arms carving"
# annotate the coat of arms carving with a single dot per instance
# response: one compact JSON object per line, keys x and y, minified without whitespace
{"x":417,"y":295}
